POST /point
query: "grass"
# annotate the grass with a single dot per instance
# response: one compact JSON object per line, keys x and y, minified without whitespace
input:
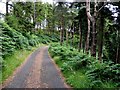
{"x":58,"y":61}
{"x":13,"y":61}
{"x":76,"y":78}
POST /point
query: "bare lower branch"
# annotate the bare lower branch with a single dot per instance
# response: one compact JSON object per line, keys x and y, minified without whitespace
{"x":102,"y":7}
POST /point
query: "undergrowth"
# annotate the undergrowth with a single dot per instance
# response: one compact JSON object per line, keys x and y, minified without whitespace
{"x":84,"y":71}
{"x":13,"y":40}
{"x":16,"y":45}
{"x":13,"y":61}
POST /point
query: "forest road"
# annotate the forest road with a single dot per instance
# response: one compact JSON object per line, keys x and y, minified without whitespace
{"x":39,"y":71}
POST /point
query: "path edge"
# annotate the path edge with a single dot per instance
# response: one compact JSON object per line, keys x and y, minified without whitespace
{"x":10,"y":78}
{"x":58,"y":69}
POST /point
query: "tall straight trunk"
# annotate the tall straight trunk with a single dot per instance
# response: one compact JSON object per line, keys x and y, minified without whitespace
{"x":60,"y":36}
{"x":93,"y":20}
{"x":93,"y":39}
{"x":6,"y":7}
{"x":118,"y":48}
{"x":100,"y":35}
{"x":34,"y":16}
{"x":72,"y":38}
{"x":94,"y":31}
{"x":88,"y":32}
{"x":49,"y":29}
{"x":73,"y":35}
{"x":66,"y":37}
{"x":118,"y":55}
{"x":100,"y":40}
{"x":6,"y":18}
{"x":80,"y":37}
{"x":61,"y":32}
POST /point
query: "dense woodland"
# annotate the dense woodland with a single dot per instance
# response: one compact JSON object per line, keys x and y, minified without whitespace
{"x":84,"y":36}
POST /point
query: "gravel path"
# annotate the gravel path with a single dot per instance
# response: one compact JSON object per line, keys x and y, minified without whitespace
{"x":39,"y":71}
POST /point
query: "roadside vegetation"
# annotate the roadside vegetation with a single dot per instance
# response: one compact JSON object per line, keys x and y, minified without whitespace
{"x":16,"y":46}
{"x":14,"y":60}
{"x":84,"y":39}
{"x":84,"y":71}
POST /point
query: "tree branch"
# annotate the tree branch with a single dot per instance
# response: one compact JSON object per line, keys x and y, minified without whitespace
{"x":89,"y":16}
{"x":10,"y":5}
{"x":102,"y":7}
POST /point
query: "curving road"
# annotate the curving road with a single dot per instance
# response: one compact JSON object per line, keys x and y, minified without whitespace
{"x":39,"y":71}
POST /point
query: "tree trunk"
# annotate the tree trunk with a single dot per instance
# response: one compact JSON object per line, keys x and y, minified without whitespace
{"x":100,"y":40}
{"x":72,"y":38}
{"x":34,"y":21}
{"x":100,"y":34}
{"x":6,"y":7}
{"x":48,"y":29}
{"x":61,"y":32}
{"x":93,"y":38}
{"x":94,"y":31}
{"x":118,"y":55}
{"x":93,"y":20}
{"x":80,"y":38}
{"x":66,"y":37}
{"x":6,"y":18}
{"x":60,"y":36}
{"x":88,"y":33}
{"x":73,"y":35}
{"x":118,"y":48}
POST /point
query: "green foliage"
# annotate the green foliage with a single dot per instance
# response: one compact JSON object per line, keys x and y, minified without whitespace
{"x":106,"y":74}
{"x":13,"y":61}
{"x":21,"y":16}
{"x":13,"y":39}
{"x":77,"y":79}
{"x":12,"y":21}
{"x":111,"y":40}
{"x":106,"y":71}
{"x":72,"y":60}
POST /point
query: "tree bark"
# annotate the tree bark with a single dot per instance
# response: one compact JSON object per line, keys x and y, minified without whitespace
{"x":60,"y":36}
{"x":100,"y":34}
{"x":66,"y":37}
{"x":80,"y":37}
{"x":93,"y":20}
{"x":93,"y":38}
{"x":100,"y":40}
{"x":88,"y":32}
{"x":6,"y":7}
{"x":61,"y":32}
{"x":73,"y":36}
{"x":88,"y":10}
{"x":118,"y":55}
{"x":118,"y":48}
